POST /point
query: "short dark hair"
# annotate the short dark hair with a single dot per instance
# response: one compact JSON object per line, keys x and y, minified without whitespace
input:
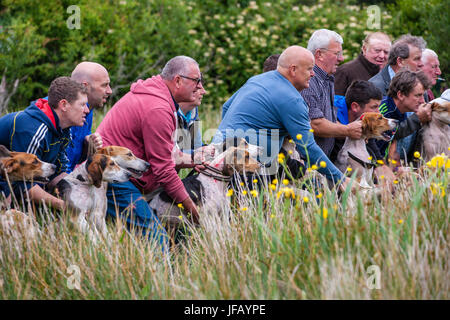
{"x":405,"y":81}
{"x":271,"y":63}
{"x":400,"y":48}
{"x":64,"y":88}
{"x":361,"y":92}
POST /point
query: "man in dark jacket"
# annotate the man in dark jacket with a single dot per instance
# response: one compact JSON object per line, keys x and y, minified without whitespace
{"x":406,"y":53}
{"x":43,"y":129}
{"x":370,"y":61}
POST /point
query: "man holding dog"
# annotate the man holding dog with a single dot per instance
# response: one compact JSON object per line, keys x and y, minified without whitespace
{"x":269,"y":107}
{"x":43,"y":129}
{"x":145,"y":121}
{"x":405,"y":95}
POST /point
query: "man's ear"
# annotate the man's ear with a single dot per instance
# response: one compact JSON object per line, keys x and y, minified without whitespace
{"x":62,"y":104}
{"x":400,"y":62}
{"x":355,"y":107}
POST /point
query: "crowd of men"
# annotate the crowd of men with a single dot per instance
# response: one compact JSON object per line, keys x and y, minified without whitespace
{"x":303,"y":94}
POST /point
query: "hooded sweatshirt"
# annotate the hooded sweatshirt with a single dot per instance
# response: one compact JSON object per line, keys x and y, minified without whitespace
{"x":36,"y":130}
{"x":144,"y":121}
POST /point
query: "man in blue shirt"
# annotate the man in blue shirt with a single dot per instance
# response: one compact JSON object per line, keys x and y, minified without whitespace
{"x":269,"y":107}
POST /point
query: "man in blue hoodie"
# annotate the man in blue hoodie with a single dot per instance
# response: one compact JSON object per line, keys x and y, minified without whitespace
{"x":95,"y":78}
{"x":43,"y":129}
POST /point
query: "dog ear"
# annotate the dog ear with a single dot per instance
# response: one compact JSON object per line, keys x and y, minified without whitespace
{"x":95,"y":170}
{"x":10,"y":165}
{"x":4,"y":152}
{"x":365,"y":126}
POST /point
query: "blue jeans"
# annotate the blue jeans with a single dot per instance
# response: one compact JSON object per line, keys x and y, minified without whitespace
{"x":126,"y":200}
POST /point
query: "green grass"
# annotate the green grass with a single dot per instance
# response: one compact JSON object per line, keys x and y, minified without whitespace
{"x":283,"y":249}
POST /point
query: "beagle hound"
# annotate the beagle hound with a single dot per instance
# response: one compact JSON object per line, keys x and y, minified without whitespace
{"x":85,"y":188}
{"x":21,"y":166}
{"x":354,"y":154}
{"x":207,"y":189}
{"x":126,"y":160}
{"x":435,"y":135}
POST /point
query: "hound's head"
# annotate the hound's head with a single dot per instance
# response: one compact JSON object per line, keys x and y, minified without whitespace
{"x":374,"y":125}
{"x":101,"y":167}
{"x":241,"y":143}
{"x":240,"y":160}
{"x":125,"y":158}
{"x":21,"y":166}
{"x":441,"y":111}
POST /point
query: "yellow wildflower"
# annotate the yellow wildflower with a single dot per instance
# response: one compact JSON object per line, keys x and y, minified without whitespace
{"x":380,"y":161}
{"x":180,"y":205}
{"x":382,"y":177}
{"x":244,"y":209}
{"x":417,"y":154}
{"x":180,"y":217}
{"x":400,"y":221}
{"x":241,"y":184}
{"x":272,"y":216}
{"x":281,"y":155}
{"x":305,"y":199}
{"x":349,"y":169}
{"x":275,"y":181}
{"x":311,"y":130}
{"x":325,"y":213}
{"x":244,"y":192}
{"x":314,"y":167}
{"x":272,"y":186}
{"x":320,"y":195}
{"x":254,"y":193}
{"x":290,"y":152}
{"x":285,"y":182}
{"x":291,"y":141}
{"x":299,"y":137}
{"x":395,"y":181}
{"x":369,"y":158}
{"x":323,"y":164}
{"x":255,"y":180}
{"x":229,"y":192}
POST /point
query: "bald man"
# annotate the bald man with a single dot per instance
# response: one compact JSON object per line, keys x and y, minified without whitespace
{"x":269,"y":107}
{"x":95,"y":78}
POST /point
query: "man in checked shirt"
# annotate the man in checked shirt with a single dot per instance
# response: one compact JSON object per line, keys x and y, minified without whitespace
{"x":326,"y":46}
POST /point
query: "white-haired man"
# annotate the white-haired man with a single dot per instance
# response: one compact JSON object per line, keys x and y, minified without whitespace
{"x":431,"y":69}
{"x":326,"y":46}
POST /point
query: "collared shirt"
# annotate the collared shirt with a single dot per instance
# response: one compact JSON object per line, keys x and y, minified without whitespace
{"x":391,"y":72}
{"x":320,"y":99}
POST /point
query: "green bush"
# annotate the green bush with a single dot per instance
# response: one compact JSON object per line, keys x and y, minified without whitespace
{"x":133,"y":39}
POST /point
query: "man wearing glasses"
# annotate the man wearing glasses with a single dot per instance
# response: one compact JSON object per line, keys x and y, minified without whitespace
{"x":144,"y":120}
{"x":326,"y":46}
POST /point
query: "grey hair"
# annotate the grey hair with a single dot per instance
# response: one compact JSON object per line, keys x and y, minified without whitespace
{"x":428,"y":53}
{"x":400,"y":48}
{"x":177,"y":65}
{"x":321,"y":39}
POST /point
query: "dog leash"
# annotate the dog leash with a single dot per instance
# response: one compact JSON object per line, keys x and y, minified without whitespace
{"x":366,"y":165}
{"x":217,"y":174}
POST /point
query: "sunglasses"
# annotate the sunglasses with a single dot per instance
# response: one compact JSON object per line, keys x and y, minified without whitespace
{"x":197,"y":80}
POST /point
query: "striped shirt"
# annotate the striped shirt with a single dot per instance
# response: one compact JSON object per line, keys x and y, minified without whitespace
{"x":320,"y":99}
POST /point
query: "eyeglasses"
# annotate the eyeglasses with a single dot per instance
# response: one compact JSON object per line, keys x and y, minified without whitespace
{"x":197,"y":80}
{"x":336,"y":53}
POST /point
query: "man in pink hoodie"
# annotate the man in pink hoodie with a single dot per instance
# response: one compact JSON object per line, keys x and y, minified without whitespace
{"x":144,"y":120}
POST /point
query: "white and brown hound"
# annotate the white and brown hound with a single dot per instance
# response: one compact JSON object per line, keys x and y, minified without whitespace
{"x":85,"y":188}
{"x":354,"y":153}
{"x":21,"y":166}
{"x":209,"y":188}
{"x":435,"y":135}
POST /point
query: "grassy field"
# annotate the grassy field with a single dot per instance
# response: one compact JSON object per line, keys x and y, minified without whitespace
{"x":275,"y":245}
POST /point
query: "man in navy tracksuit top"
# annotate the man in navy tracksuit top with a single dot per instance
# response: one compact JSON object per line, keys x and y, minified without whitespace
{"x":43,"y":129}
{"x":96,"y":80}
